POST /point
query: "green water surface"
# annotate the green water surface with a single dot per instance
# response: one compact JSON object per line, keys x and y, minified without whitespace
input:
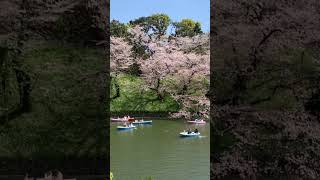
{"x":157,"y":150}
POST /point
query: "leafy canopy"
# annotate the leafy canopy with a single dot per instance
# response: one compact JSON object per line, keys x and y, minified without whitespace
{"x":187,"y":27}
{"x":156,"y":23}
{"x":118,"y":29}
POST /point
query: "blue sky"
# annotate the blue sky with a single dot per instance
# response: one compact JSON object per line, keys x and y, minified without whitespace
{"x":198,"y":10}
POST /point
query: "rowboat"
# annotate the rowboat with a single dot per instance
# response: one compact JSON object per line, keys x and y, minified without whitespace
{"x":126,"y":127}
{"x":124,"y":119}
{"x":119,"y":120}
{"x":190,"y":134}
{"x":197,"y":121}
{"x":141,"y":122}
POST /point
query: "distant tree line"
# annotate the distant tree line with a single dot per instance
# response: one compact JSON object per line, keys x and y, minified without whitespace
{"x":157,"y":24}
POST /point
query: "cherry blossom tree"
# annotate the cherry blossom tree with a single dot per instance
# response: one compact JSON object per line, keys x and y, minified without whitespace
{"x":178,"y":66}
{"x":120,"y":54}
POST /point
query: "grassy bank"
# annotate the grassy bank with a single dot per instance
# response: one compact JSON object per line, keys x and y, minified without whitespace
{"x":134,"y":98}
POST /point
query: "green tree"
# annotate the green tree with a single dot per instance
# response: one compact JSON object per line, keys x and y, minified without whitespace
{"x":197,"y":28}
{"x":118,"y":29}
{"x":159,"y":23}
{"x":156,"y":23}
{"x":187,"y":27}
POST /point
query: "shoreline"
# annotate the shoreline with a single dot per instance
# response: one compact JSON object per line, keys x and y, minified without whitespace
{"x":144,"y":115}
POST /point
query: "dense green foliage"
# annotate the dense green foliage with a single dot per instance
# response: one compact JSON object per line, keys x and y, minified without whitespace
{"x":118,"y":29}
{"x":134,"y":98}
{"x":187,"y":27}
{"x":159,"y":23}
{"x":156,"y":23}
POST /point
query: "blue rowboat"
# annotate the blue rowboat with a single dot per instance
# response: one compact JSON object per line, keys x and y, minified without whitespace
{"x":126,"y":127}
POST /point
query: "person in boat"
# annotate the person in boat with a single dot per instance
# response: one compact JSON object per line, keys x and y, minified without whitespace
{"x":189,"y":131}
{"x":197,"y":116}
{"x":196,"y":131}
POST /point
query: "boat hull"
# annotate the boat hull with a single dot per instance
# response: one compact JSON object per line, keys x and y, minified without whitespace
{"x":144,"y":122}
{"x":125,"y":128}
{"x":123,"y":119}
{"x":192,"y":134}
{"x":196,"y":122}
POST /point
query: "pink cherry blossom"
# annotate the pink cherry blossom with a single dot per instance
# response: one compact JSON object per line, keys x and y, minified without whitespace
{"x":177,"y":66}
